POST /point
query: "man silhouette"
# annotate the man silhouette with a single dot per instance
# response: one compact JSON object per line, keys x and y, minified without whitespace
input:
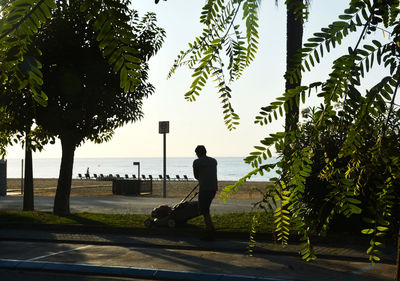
{"x":205,"y":171}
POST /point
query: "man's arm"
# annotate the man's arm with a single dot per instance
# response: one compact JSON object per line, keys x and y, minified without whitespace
{"x":195,"y":171}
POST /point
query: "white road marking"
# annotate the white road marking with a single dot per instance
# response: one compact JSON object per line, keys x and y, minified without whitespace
{"x":60,"y":252}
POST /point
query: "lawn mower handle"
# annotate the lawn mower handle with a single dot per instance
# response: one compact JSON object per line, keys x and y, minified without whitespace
{"x":184,"y":199}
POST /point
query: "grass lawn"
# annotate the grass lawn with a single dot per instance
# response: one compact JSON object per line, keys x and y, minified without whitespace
{"x":236,"y":222}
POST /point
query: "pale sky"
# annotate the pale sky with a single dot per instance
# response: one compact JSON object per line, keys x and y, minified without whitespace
{"x":201,"y":122}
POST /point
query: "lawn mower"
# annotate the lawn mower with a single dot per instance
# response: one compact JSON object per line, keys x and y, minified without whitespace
{"x":180,"y":213}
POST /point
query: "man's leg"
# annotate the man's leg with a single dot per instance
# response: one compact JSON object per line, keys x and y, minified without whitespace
{"x":208,"y":222}
{"x":205,"y":199}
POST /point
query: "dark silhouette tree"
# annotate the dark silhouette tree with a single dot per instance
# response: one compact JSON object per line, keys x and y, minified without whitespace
{"x":117,"y":32}
{"x":16,"y":127}
{"x":85,"y":99}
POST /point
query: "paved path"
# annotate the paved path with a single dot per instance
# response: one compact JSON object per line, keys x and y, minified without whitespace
{"x":181,"y":258}
{"x":118,"y":204}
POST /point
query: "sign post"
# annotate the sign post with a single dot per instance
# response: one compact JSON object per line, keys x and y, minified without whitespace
{"x":138,"y":168}
{"x":163,"y":128}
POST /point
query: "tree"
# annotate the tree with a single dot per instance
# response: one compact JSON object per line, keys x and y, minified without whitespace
{"x":347,"y":72}
{"x":358,"y":176}
{"x":17,"y":127}
{"x":85,"y":97}
{"x":20,"y":20}
{"x":17,"y":79}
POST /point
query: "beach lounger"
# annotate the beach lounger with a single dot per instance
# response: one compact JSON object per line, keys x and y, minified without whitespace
{"x":95,"y":176}
{"x":150,"y":177}
{"x":185,"y":177}
{"x":144,"y":177}
{"x":134,"y":177}
{"x":118,"y":176}
{"x":80,"y":176}
{"x":178,"y":178}
{"x":160,"y":177}
{"x":168,"y":178}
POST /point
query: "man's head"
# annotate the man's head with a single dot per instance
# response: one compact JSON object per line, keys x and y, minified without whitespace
{"x":200,"y":151}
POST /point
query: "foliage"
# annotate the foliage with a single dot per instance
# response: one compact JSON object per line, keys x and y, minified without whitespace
{"x":17,"y":111}
{"x":83,"y":74}
{"x":367,"y":161}
{"x":222,"y":36}
{"x":19,"y":21}
{"x":227,"y":46}
{"x":6,"y":132}
{"x":22,"y":19}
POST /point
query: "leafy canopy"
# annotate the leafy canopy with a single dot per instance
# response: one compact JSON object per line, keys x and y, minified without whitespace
{"x":87,"y":98}
{"x":22,"y":19}
{"x":369,"y":143}
{"x":222,"y":37}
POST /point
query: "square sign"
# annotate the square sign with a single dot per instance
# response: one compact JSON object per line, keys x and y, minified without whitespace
{"x":163,"y":127}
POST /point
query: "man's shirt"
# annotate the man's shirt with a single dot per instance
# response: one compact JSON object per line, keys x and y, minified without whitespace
{"x":205,"y":171}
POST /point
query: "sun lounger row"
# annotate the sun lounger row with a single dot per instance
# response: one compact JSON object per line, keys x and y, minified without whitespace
{"x":143,"y":177}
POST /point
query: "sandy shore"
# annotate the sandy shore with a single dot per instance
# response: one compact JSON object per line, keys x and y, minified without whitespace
{"x":178,"y":189}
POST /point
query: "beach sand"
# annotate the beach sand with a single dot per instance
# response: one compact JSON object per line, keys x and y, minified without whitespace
{"x":176,"y":189}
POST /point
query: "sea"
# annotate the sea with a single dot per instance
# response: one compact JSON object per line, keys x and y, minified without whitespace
{"x":229,"y":168}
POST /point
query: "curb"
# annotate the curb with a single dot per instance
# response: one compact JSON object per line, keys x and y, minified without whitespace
{"x":132,"y":272}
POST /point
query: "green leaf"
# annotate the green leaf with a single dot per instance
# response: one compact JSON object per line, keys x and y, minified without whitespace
{"x":369,"y":48}
{"x":382,"y":228}
{"x":368,"y":231}
{"x":132,"y":58}
{"x":375,"y":258}
{"x":355,"y":209}
{"x":124,"y":77}
{"x":262,"y":148}
{"x":345,"y":17}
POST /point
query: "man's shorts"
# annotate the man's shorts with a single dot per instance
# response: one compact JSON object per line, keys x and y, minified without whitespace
{"x":205,"y":198}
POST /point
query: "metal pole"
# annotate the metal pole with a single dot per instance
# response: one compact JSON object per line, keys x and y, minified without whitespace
{"x":165,"y":167}
{"x":138,"y":171}
{"x":6,"y":177}
{"x":22,"y":176}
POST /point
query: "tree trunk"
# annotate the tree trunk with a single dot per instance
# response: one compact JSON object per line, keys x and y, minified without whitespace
{"x":61,"y":200}
{"x":28,"y":204}
{"x":398,"y":256}
{"x":294,"y":42}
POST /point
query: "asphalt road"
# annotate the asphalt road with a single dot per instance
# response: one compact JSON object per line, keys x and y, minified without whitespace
{"x":119,"y":204}
{"x":276,"y":267}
